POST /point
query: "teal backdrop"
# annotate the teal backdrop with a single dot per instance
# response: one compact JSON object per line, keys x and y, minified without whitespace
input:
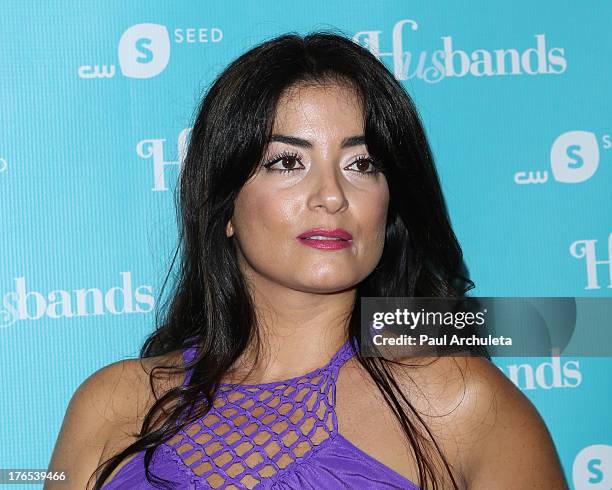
{"x":96,"y":102}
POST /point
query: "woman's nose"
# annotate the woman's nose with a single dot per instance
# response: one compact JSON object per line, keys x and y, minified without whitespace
{"x":327,"y":189}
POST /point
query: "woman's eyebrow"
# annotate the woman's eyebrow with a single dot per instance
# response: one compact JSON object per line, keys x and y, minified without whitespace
{"x":293,"y":140}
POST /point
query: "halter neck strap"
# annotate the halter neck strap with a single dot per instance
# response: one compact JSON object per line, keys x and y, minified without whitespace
{"x":346,"y":352}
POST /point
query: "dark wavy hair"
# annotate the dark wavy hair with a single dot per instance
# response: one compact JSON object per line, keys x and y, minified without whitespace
{"x":210,"y":301}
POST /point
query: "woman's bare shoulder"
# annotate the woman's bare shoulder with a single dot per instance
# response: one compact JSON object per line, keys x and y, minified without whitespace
{"x":122,"y":389}
{"x":493,"y":432}
{"x":113,"y":399}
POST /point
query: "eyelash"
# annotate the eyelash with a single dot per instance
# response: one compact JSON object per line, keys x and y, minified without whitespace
{"x":286,"y":154}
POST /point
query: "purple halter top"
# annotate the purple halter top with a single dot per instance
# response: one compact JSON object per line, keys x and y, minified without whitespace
{"x":278,"y":435}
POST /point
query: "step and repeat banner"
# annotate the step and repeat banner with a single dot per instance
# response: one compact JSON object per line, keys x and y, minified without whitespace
{"x":96,"y":102}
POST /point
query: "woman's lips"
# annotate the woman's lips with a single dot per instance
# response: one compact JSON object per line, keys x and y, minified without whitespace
{"x":326,"y":244}
{"x":325,"y":233}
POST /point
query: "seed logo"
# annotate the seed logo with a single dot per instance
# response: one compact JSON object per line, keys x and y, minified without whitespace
{"x":574,"y":158}
{"x":592,"y":468}
{"x":144,"y":50}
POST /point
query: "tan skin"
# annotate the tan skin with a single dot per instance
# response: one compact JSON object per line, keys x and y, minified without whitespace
{"x":492,"y":436}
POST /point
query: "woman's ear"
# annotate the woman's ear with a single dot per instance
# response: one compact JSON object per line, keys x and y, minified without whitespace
{"x":229,"y":229}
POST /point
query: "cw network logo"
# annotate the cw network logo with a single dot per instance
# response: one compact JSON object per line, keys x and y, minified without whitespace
{"x":452,"y":62}
{"x":154,"y":149}
{"x":24,"y":304}
{"x":592,"y":468}
{"x":144,"y":50}
{"x":574,"y":158}
{"x":546,"y":375}
{"x":586,"y":249}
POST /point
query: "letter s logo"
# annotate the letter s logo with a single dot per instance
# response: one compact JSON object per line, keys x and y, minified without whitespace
{"x":574,"y":156}
{"x":572,"y":152}
{"x":142,"y":46}
{"x":144,"y":50}
{"x":592,"y":468}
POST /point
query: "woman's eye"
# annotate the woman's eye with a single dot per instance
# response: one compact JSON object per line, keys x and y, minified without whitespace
{"x":287,"y":162}
{"x":362,"y":165}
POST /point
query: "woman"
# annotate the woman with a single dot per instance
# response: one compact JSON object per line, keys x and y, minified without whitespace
{"x":308,"y":183}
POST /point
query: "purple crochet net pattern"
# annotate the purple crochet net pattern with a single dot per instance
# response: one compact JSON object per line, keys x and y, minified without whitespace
{"x":254,"y":432}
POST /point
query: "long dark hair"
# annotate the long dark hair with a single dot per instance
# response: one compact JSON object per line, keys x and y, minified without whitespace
{"x":210,"y":301}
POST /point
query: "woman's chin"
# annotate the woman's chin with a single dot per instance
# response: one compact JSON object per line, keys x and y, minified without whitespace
{"x":328,"y":285}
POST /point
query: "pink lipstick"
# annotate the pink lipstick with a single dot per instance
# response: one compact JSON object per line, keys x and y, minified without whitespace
{"x":326,"y":239}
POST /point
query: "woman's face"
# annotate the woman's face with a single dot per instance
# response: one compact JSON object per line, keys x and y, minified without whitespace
{"x":318,"y":139}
